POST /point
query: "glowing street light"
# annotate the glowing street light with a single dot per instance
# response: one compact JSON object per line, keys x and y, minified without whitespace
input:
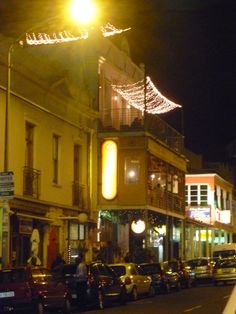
{"x":83,"y":11}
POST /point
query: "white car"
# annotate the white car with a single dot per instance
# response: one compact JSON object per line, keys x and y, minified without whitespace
{"x":136,"y":282}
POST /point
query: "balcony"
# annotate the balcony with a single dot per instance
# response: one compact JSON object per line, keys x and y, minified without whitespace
{"x":79,"y":195}
{"x":132,"y":120}
{"x":31,"y":182}
{"x":165,"y":200}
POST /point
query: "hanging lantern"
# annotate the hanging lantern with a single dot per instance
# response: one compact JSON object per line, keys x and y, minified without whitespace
{"x":138,"y":226}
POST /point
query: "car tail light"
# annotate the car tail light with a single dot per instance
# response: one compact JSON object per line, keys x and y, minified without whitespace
{"x":127,"y":281}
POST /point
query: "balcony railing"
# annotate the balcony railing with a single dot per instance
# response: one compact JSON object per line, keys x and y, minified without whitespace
{"x":31,"y":182}
{"x":166,"y":200}
{"x":78,"y":195}
{"x":124,"y":120}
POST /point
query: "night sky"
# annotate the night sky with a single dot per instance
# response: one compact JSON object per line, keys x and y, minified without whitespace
{"x":189,"y":51}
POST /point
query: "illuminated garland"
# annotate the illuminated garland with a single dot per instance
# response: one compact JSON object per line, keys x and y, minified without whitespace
{"x":65,"y":36}
{"x":45,"y":39}
{"x":145,"y":98}
{"x":110,"y":30}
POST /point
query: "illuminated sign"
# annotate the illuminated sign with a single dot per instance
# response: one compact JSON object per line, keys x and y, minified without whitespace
{"x":109,"y":169}
{"x":223,"y":216}
{"x":202,"y":214}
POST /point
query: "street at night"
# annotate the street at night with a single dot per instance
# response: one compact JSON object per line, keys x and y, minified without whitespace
{"x":200,"y":300}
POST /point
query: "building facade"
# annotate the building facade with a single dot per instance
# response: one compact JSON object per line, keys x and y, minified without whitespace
{"x":61,"y":118}
{"x":209,"y":211}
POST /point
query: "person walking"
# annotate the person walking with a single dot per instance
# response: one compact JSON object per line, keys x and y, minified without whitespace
{"x":81,"y":278}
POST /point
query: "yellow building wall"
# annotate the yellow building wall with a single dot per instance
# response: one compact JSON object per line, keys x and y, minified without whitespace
{"x":45,"y":126}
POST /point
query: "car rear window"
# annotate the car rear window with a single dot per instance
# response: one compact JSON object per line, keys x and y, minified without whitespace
{"x":13,"y":276}
{"x":119,"y":270}
{"x":150,"y":269}
{"x":226,"y":264}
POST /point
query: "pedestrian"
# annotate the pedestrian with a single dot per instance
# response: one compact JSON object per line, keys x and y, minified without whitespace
{"x":81,"y":279}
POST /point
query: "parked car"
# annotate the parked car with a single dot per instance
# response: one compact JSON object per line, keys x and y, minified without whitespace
{"x":32,"y":289}
{"x":66,"y":274}
{"x":187,"y":275}
{"x":203,"y":268}
{"x":103,"y":285}
{"x":136,"y":282}
{"x":172,"y":276}
{"x":160,"y":280}
{"x":224,"y":271}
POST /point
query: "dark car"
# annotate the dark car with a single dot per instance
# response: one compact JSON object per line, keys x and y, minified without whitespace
{"x":103,"y":285}
{"x":163,"y":278}
{"x":31,"y":289}
{"x":159,"y":280}
{"x":203,"y":268}
{"x":66,"y":274}
{"x":186,"y":274}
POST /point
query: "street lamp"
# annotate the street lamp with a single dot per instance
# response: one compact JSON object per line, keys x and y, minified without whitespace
{"x":83,"y":11}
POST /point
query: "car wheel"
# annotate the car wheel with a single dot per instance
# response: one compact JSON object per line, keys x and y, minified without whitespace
{"x":67,"y":306}
{"x":178,"y":286}
{"x":123,"y":297}
{"x":151,"y":292}
{"x":188,"y":284}
{"x":101,"y":301}
{"x":167,"y":288}
{"x":134,"y":294}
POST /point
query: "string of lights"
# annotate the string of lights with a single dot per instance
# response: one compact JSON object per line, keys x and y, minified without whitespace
{"x":65,"y":36}
{"x":145,"y":98}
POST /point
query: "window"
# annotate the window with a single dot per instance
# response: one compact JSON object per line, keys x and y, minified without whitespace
{"x":55,"y":158}
{"x":203,"y":195}
{"x":29,"y":144}
{"x":77,"y":153}
{"x":132,"y":171}
{"x":196,"y":195}
{"x":175,"y":184}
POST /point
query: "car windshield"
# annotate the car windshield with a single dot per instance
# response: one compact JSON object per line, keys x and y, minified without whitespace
{"x":224,"y":254}
{"x":14,"y":275}
{"x":119,"y":270}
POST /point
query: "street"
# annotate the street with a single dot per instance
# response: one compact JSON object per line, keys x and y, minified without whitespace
{"x":204,"y":299}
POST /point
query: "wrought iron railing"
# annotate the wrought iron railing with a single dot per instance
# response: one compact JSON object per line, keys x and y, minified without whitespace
{"x":31,"y":182}
{"x":165,"y":200}
{"x":79,"y":195}
{"x":132,"y":120}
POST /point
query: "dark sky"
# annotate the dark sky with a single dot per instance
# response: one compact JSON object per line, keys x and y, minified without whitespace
{"x":188,"y":48}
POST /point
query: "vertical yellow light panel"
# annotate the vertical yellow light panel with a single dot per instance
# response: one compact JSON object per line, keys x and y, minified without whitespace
{"x":109,"y":169}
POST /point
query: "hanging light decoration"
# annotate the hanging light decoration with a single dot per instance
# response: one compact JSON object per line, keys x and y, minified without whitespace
{"x":145,"y":98}
{"x":65,"y":36}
